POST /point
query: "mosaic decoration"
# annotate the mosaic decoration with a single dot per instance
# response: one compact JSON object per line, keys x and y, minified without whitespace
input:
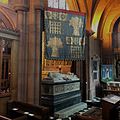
{"x":65,"y":35}
{"x":106,"y":73}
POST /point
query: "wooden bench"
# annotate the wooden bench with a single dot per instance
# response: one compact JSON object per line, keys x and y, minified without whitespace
{"x":33,"y":112}
{"x":4,"y":118}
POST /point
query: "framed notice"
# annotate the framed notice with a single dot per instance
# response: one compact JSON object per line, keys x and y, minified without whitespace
{"x":95,"y":69}
{"x":65,"y":34}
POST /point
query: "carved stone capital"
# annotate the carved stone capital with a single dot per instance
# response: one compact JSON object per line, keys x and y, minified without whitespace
{"x":21,"y":7}
{"x":38,"y":7}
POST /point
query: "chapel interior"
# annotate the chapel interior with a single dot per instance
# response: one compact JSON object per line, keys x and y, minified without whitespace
{"x":59,"y":59}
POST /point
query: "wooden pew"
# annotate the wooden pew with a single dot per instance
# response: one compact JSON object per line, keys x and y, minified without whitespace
{"x":19,"y":118}
{"x":4,"y":118}
{"x":24,"y":117}
{"x":33,"y":112}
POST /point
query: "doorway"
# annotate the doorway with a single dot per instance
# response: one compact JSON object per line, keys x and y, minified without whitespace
{"x":9,"y":62}
{"x":5,"y":65}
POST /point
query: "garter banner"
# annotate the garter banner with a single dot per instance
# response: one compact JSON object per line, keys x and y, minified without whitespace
{"x":65,"y":35}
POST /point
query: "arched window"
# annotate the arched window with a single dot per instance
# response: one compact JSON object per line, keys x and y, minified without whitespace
{"x":60,"y":4}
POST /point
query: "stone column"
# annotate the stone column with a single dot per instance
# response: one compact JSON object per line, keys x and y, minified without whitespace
{"x":31,"y":54}
{"x":21,"y":8}
{"x":14,"y":68}
{"x":89,"y":33}
{"x":1,"y":57}
{"x":34,"y":52}
{"x":38,"y":52}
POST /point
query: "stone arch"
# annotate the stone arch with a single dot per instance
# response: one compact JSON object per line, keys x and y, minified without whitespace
{"x":104,"y":17}
{"x":107,"y":27}
{"x":98,"y":12}
{"x":5,"y":16}
{"x":112,"y":25}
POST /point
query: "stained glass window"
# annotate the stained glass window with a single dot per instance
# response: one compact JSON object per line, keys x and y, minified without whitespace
{"x":106,"y":73}
{"x":61,"y":4}
{"x":51,"y":3}
{"x":56,"y":2}
{"x":4,"y":1}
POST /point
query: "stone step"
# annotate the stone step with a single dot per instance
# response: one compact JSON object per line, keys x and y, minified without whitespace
{"x":64,"y":113}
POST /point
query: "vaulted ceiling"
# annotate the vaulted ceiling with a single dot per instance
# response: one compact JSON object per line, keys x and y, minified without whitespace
{"x":7,"y":16}
{"x":101,"y":16}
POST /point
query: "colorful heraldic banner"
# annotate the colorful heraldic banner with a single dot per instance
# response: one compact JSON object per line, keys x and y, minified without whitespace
{"x":106,"y":73}
{"x":65,"y":35}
